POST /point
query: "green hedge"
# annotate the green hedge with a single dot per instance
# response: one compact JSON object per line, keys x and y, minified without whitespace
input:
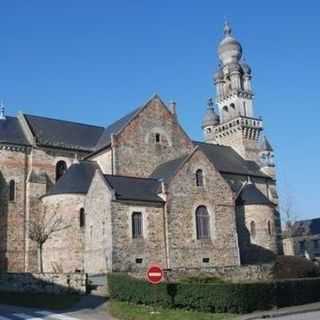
{"x":224,"y":297}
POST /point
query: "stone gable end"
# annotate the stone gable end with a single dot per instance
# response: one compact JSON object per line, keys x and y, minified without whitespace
{"x":151,"y":138}
{"x":184,"y":197}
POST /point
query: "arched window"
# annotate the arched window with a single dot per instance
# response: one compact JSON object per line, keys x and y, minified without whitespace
{"x":12,"y":190}
{"x":199,"y":178}
{"x":82,"y":218}
{"x":61,"y":168}
{"x":158,"y":138}
{"x":136,"y":225}
{"x":253,"y":229}
{"x":202,"y":223}
{"x":233,"y":107}
{"x":269,"y":228}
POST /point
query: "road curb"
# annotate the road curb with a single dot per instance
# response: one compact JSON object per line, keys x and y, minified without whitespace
{"x":277,"y":315}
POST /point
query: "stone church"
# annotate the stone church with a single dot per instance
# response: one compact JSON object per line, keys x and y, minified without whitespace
{"x":140,"y":190}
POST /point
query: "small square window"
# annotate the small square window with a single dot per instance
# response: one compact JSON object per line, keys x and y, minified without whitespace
{"x":205,"y":260}
{"x":139,"y":260}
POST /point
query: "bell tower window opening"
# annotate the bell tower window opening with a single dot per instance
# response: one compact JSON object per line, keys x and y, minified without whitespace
{"x":158,"y":138}
{"x":12,"y":190}
{"x":199,"y":178}
{"x":82,"y":218}
{"x":244,"y":108}
{"x":253,"y":229}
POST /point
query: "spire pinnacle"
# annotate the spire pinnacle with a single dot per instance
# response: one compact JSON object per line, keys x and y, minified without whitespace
{"x":2,"y":111}
{"x":227,"y":28}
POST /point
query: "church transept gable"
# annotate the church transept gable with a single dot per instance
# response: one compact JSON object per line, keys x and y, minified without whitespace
{"x":153,"y":136}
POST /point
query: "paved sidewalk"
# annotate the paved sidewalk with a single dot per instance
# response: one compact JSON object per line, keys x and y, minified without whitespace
{"x":282,"y":312}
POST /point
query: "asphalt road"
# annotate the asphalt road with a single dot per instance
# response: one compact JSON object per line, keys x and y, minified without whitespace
{"x":302,"y":316}
{"x":17,"y":313}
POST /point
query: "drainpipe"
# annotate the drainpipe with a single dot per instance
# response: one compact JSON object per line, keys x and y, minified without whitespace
{"x":164,"y":196}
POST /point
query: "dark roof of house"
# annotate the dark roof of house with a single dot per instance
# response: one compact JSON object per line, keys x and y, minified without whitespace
{"x":227,"y":160}
{"x":132,"y":188}
{"x":306,"y":227}
{"x":168,"y":169}
{"x":249,"y":194}
{"x":115,"y":127}
{"x":64,"y":134}
{"x":11,"y":132}
{"x":77,"y":179}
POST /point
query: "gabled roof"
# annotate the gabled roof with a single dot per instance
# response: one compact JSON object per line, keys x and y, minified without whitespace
{"x":63,"y":134}
{"x":77,"y":179}
{"x":227,"y":160}
{"x":116,"y":127}
{"x":306,"y":227}
{"x":168,"y":169}
{"x":105,"y":138}
{"x":11,"y":132}
{"x":133,"y":188}
{"x":249,"y":194}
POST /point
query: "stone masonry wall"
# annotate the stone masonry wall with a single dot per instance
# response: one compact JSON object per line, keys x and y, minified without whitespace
{"x":126,"y":250}
{"x":261,"y":215}
{"x":98,"y":229}
{"x":183,"y":199}
{"x":104,"y":159}
{"x":64,"y":249}
{"x":136,"y":150}
{"x":46,"y":283}
{"x":12,"y":218}
{"x":42,"y":164}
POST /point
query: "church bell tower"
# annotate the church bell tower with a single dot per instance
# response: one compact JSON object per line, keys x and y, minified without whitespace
{"x":237,"y":126}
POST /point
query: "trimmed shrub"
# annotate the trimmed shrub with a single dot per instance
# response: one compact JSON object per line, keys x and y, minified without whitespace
{"x":220,"y":297}
{"x":292,"y":267}
{"x":201,"y":279}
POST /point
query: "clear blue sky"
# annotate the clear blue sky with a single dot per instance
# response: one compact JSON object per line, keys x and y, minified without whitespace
{"x":93,"y":61}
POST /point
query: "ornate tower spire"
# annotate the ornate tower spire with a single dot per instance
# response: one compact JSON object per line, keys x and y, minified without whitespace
{"x":227,"y":29}
{"x":237,"y":127}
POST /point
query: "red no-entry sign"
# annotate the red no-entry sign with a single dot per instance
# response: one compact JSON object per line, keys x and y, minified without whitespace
{"x":154,"y":274}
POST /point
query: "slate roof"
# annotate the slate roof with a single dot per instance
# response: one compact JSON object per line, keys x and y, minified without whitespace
{"x":249,"y":194}
{"x":64,"y":134}
{"x":11,"y":132}
{"x":132,"y":188}
{"x":105,"y":139}
{"x":168,"y":169}
{"x":77,"y":179}
{"x":306,"y":227}
{"x":227,"y":160}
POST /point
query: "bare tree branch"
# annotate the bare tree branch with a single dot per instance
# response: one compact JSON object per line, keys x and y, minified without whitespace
{"x":42,"y":227}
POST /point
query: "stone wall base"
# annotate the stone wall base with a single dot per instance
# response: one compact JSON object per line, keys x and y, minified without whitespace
{"x":46,"y":283}
{"x":250,"y":273}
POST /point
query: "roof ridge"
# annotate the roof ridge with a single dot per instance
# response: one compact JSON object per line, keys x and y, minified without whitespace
{"x":62,"y":120}
{"x":141,"y":178}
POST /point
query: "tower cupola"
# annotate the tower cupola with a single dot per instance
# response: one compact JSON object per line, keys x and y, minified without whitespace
{"x":210,"y":120}
{"x":229,"y":49}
